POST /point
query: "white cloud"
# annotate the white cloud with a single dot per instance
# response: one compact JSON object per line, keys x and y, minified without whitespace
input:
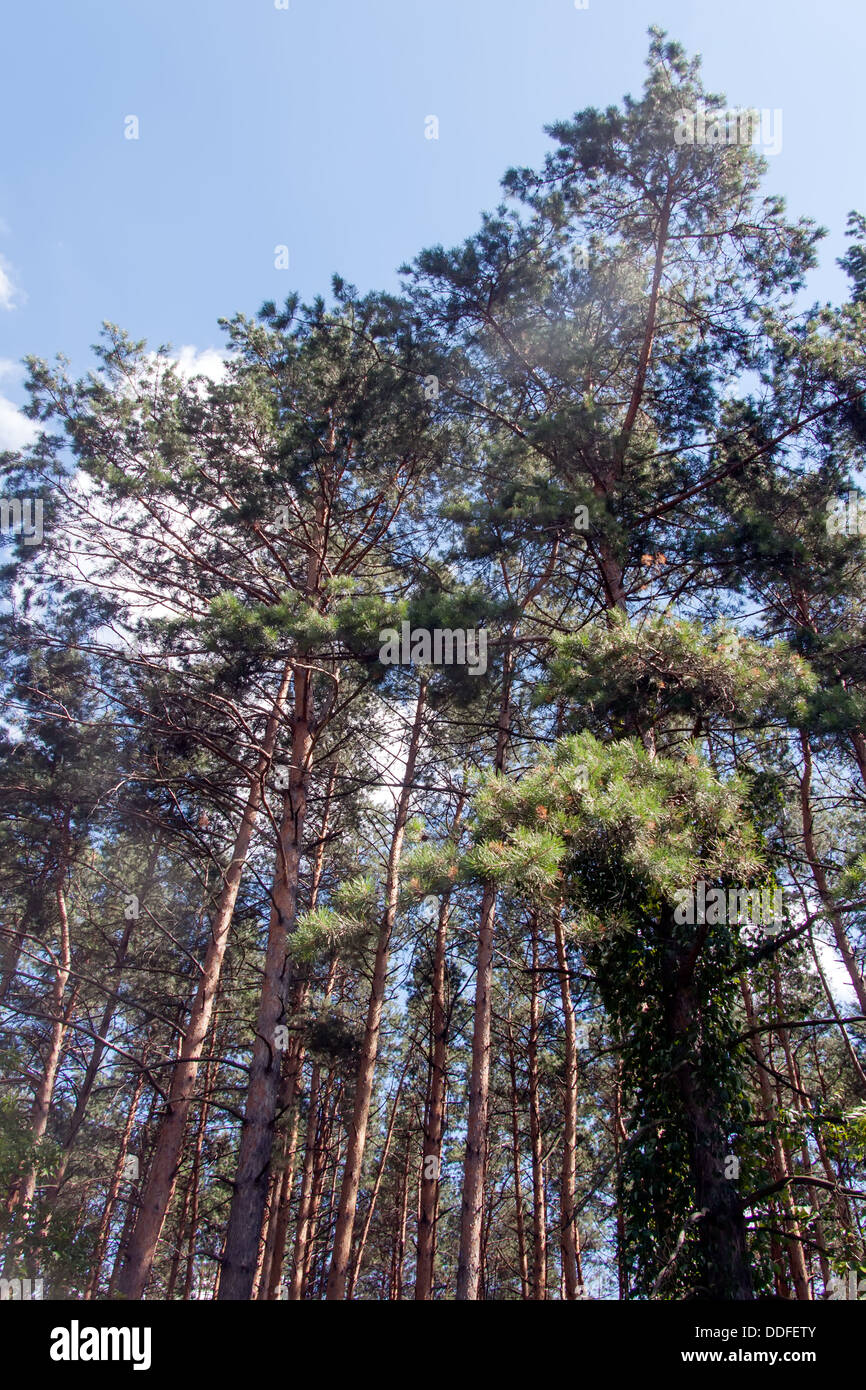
{"x":209,"y":362}
{"x":16,"y":431}
{"x":10,"y":295}
{"x":187,"y":361}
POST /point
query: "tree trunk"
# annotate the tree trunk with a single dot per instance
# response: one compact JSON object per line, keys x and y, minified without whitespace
{"x":569,"y":1239}
{"x":434,"y":1118}
{"x":539,"y":1203}
{"x":472,"y":1206}
{"x":720,"y":1226}
{"x":99,"y":1045}
{"x":162,"y":1175}
{"x":400,"y":1234}
{"x":364,"y":1088}
{"x":178,"y":1240}
{"x":794,"y":1241}
{"x":315,"y":1156}
{"x":515,"y":1152}
{"x":131,"y":1204}
{"x":14,"y":945}
{"x":283,"y":1169}
{"x":23,"y":1188}
{"x":257,"y":1134}
{"x":278,"y":1220}
{"x":820,"y":877}
{"x":619,"y":1138}
{"x":386,"y":1147}
{"x":114,"y":1188}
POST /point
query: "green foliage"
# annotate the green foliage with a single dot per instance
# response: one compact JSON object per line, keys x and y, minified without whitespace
{"x":348,"y":920}
{"x":665,"y":675}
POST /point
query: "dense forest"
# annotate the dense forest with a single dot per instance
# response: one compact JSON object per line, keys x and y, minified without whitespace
{"x":433,"y":778}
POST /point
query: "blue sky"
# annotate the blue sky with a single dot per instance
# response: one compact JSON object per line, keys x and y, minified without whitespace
{"x":304,"y":127}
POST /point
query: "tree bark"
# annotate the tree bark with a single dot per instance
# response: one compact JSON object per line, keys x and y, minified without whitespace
{"x":114,"y":1188}
{"x":162,"y":1174}
{"x":434,"y":1118}
{"x":522,"y":1260}
{"x":472,"y":1207}
{"x":278,"y":1220}
{"x":364,"y":1089}
{"x":569,"y":1238}
{"x":380,"y":1173}
{"x":720,"y":1224}
{"x":315,"y":1156}
{"x":539,"y":1202}
{"x":257,"y":1134}
{"x":820,"y":877}
{"x":23,"y":1188}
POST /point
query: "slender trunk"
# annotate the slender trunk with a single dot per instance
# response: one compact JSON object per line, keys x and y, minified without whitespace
{"x":315,"y":1165}
{"x":23,"y":1189}
{"x":434,"y":1117}
{"x":114,"y":1189}
{"x":539,"y":1204}
{"x":14,"y":945}
{"x":195,"y":1175}
{"x":271,"y":1284}
{"x":793,"y":1237}
{"x":794,"y":1073}
{"x":283,"y":1169}
{"x":332,"y":1197}
{"x":178,"y":1241}
{"x":162,"y":1175}
{"x":278,"y":1220}
{"x":364,"y":1089}
{"x":87,"y":1084}
{"x":833,"y":1007}
{"x":780,"y":1168}
{"x":257,"y":1134}
{"x":661,"y":241}
{"x":619,"y":1138}
{"x":515,"y":1155}
{"x":472,"y":1207}
{"x":131,"y":1202}
{"x":305,"y":1200}
{"x":569,"y":1238}
{"x":302,"y":1225}
{"x":100,"y":1043}
{"x":386,"y":1147}
{"x":820,"y":877}
{"x":400,"y":1234}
